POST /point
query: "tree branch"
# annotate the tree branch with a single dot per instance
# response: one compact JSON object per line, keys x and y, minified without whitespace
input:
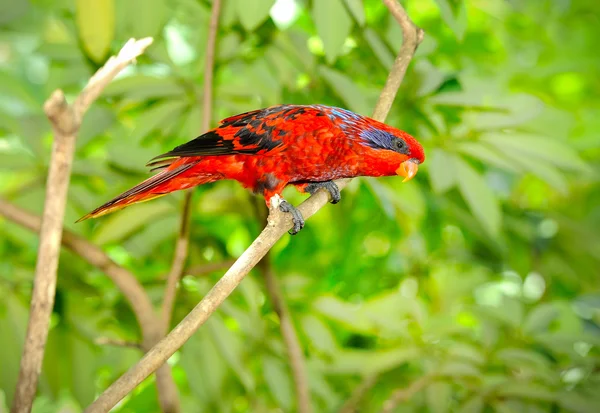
{"x":278,"y":225}
{"x":204,"y":269}
{"x":181,"y":252}
{"x":290,"y":338}
{"x":405,"y":394}
{"x":181,"y":248}
{"x":66,"y":121}
{"x":107,"y":341}
{"x":163,"y":374}
{"x":125,"y":281}
{"x":351,"y":405}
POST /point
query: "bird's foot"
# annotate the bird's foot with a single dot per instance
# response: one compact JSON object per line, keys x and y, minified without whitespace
{"x":297,"y":218}
{"x":330,"y":186}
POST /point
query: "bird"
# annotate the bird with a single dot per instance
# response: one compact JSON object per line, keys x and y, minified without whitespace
{"x":265,"y":150}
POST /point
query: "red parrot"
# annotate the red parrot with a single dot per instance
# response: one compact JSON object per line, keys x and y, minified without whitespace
{"x":267,"y":149}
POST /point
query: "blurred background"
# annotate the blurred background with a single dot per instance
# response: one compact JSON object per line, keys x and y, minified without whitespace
{"x":483,"y":272}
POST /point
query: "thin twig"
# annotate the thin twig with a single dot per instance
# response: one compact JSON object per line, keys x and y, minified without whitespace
{"x":406,"y":393}
{"x":204,"y":269}
{"x":278,"y":225}
{"x":351,"y":405}
{"x":125,"y":281}
{"x":290,"y":338}
{"x":66,"y":121}
{"x":182,"y":245}
{"x":107,"y":341}
{"x":163,"y":374}
{"x":181,"y":252}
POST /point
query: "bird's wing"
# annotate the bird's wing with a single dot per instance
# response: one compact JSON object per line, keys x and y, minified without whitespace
{"x":255,"y":132}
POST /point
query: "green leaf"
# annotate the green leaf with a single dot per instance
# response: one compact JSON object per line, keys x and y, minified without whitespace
{"x":379,"y":48}
{"x":455,"y":19}
{"x":538,"y":320}
{"x":486,"y":154}
{"x":252,"y":13}
{"x":278,"y":380}
{"x":442,"y":170}
{"x":459,"y":369}
{"x":158,"y":117}
{"x":478,"y":197}
{"x":333,"y":26}
{"x":346,"y":89}
{"x":474,"y":404}
{"x":96,"y":26}
{"x":545,"y":148}
{"x":118,"y":226}
{"x":525,"y":390}
{"x":155,"y":15}
{"x":577,"y":403}
{"x":370,"y":362}
{"x":144,"y":87}
{"x":438,"y":395}
{"x":357,"y":9}
{"x":232,"y":349}
{"x":319,"y":334}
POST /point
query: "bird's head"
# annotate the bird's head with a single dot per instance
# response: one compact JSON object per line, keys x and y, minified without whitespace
{"x":394,"y":151}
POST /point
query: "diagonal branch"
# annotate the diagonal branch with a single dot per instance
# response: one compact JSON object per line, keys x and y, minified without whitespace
{"x":405,"y":394}
{"x":352,"y":404}
{"x":278,"y":225}
{"x":66,"y":121}
{"x":126,"y":282}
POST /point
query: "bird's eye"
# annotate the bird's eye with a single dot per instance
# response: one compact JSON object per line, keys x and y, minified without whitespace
{"x":400,"y":144}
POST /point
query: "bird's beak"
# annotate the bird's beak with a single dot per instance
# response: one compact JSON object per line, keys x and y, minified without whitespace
{"x":408,"y":169}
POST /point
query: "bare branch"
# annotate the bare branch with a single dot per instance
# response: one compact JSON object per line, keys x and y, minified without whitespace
{"x":132,"y":49}
{"x":351,"y":405}
{"x":125,"y":281}
{"x":65,"y":124}
{"x":163,"y":374}
{"x":181,"y":247}
{"x":290,"y":338}
{"x":107,"y":341}
{"x":278,"y":225}
{"x":204,"y":269}
{"x":209,"y":64}
{"x":181,"y":252}
{"x":404,"y":394}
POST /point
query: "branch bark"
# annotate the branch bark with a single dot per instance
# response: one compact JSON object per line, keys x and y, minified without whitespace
{"x":163,"y":374}
{"x":125,"y":281}
{"x":182,"y":245}
{"x":66,"y":121}
{"x":277,"y":226}
{"x":404,"y":394}
{"x":290,"y":338}
{"x":351,"y":405}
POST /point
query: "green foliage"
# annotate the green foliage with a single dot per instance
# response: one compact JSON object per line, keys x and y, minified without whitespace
{"x":481,"y":272}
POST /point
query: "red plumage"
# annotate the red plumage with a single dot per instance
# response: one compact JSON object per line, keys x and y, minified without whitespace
{"x":267,"y":149}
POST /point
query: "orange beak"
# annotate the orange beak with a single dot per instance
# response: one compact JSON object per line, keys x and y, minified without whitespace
{"x":408,"y":169}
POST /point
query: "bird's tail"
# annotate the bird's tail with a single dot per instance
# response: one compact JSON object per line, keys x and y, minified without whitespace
{"x":162,"y":183}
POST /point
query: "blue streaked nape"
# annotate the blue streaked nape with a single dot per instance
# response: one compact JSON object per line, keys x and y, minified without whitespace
{"x":377,"y":138}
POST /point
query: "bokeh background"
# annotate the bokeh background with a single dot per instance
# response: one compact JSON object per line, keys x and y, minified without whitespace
{"x":484,"y":270}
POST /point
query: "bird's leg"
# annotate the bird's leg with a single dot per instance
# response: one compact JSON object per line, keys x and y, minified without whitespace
{"x":331,"y":187}
{"x":297,"y":217}
{"x":276,"y":201}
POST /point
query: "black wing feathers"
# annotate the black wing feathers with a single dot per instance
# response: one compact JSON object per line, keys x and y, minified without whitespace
{"x":211,"y":143}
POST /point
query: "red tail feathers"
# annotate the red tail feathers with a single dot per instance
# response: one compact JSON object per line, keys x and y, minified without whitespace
{"x":153,"y":187}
